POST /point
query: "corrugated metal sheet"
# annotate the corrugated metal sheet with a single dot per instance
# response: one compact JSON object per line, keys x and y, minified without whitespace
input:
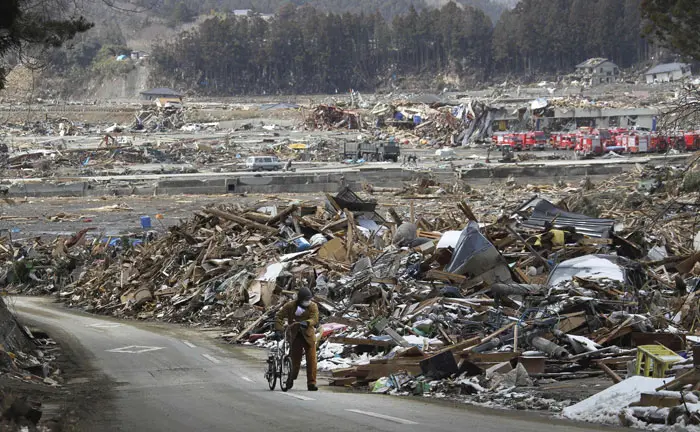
{"x":545,"y":211}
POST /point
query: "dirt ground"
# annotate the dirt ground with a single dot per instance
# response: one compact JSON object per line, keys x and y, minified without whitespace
{"x":51,"y":217}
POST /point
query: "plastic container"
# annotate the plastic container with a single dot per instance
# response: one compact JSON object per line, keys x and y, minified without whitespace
{"x":145,"y":222}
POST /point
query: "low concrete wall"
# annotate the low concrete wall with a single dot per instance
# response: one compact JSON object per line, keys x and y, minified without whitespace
{"x":547,"y":172}
{"x":300,"y":182}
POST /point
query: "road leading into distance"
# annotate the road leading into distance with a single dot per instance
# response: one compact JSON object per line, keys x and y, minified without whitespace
{"x":177,"y":380}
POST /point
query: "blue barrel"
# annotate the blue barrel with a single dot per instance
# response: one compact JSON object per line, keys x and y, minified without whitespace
{"x":417,"y":119}
{"x":145,"y":222}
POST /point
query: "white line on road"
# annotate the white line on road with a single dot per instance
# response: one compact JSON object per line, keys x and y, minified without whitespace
{"x":135,"y":349}
{"x":105,"y":325}
{"x":384,"y":417}
{"x":245,"y":378}
{"x":189,"y":344}
{"x":211,"y":358}
{"x":297,"y":396}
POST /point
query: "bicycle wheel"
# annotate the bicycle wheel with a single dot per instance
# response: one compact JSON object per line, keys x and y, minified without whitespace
{"x":271,"y":373}
{"x":285,"y":376}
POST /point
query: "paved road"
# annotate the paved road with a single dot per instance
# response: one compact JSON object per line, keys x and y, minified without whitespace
{"x":173,"y":380}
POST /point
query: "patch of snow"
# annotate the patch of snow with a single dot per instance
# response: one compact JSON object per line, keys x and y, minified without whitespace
{"x":605,"y":407}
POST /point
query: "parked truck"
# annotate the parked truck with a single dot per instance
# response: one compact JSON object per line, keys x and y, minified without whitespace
{"x":372,"y":151}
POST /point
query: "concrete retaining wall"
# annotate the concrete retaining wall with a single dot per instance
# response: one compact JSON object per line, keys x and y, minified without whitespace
{"x":300,"y":182}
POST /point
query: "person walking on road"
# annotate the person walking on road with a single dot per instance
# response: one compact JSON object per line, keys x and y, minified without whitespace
{"x":302,"y":316}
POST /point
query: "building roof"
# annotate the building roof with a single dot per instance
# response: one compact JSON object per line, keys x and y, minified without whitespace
{"x":162,"y":92}
{"x":591,"y":62}
{"x":666,"y":67}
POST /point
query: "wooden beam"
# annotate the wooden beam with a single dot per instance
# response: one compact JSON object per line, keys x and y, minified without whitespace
{"x":240,"y":220}
{"x":250,"y":327}
{"x":459,"y":345}
{"x":530,"y":248}
{"x":493,"y":335}
{"x":609,"y":372}
{"x":282,"y":215}
{"x":464,"y":207}
{"x":395,"y":216}
{"x":445,"y":277}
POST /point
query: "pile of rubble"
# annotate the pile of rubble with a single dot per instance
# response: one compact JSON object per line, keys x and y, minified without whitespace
{"x":40,"y":268}
{"x":159,"y":118}
{"x":437,"y":124}
{"x":27,"y":360}
{"x":490,"y":298}
{"x":325,"y":117}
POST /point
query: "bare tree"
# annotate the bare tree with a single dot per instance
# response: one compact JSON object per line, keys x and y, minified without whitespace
{"x":684,"y":112}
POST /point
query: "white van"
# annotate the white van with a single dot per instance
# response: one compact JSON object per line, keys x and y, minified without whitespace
{"x":263,"y":163}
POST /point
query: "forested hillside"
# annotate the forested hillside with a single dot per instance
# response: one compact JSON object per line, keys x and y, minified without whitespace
{"x":550,"y":35}
{"x":303,"y":49}
{"x":387,"y":8}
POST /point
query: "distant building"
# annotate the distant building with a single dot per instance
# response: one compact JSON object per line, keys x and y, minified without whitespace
{"x":138,"y":55}
{"x":250,"y":12}
{"x":667,"y":72}
{"x":157,"y":93}
{"x":600,"y":70}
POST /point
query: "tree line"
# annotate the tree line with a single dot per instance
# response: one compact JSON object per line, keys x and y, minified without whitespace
{"x":387,"y":8}
{"x":303,"y":50}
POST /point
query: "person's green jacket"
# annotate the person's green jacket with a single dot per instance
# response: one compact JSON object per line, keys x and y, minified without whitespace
{"x":288,"y":313}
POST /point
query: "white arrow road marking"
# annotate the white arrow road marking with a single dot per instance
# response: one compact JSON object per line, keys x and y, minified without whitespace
{"x":135,"y":349}
{"x":297,"y":396}
{"x":245,"y":378}
{"x":384,"y":417}
{"x":105,"y":325}
{"x":211,"y":358}
{"x":189,"y":344}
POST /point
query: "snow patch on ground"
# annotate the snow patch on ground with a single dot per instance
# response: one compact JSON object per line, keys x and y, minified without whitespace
{"x":605,"y":407}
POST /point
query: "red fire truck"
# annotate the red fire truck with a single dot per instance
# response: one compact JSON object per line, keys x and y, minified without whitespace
{"x":514,"y":140}
{"x":588,"y":142}
{"x":497,"y":139}
{"x":692,"y":140}
{"x":535,"y":140}
{"x":564,"y":141}
{"x":636,"y":142}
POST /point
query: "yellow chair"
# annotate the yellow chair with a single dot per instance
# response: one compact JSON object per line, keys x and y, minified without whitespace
{"x":655,"y":360}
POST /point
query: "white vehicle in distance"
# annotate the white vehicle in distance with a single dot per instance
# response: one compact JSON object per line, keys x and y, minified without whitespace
{"x":263,"y":163}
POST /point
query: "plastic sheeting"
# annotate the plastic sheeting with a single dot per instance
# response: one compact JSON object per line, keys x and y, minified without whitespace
{"x":475,"y":255}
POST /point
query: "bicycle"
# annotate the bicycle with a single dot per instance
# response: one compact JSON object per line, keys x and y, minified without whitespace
{"x":279,"y":363}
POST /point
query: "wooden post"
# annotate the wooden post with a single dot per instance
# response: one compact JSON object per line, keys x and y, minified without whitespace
{"x":349,"y":238}
{"x":527,"y":245}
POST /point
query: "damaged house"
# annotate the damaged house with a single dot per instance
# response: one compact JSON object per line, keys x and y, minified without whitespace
{"x":599,"y":71}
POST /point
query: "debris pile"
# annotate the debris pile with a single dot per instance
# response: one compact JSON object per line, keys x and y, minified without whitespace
{"x":159,"y":118}
{"x":27,"y":358}
{"x":490,"y":298}
{"x":327,"y":117}
{"x":436,"y":124}
{"x":40,"y":268}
